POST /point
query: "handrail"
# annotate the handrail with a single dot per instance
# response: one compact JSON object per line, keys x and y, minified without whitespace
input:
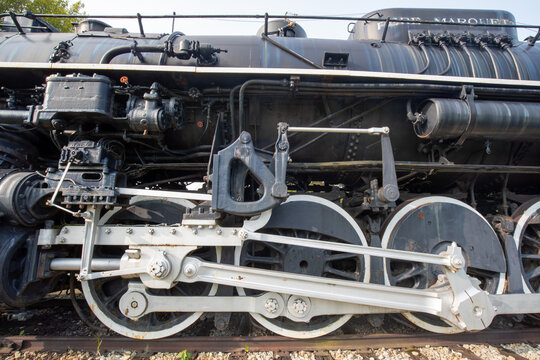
{"x":265,"y":16}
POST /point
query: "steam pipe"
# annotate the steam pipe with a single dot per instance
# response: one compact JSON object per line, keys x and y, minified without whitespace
{"x":243,"y":90}
{"x":449,"y":60}
{"x":468,"y":52}
{"x":428,"y":61}
{"x":484,"y":46}
{"x":13,"y":117}
{"x":114,"y":52}
{"x":516,"y":64}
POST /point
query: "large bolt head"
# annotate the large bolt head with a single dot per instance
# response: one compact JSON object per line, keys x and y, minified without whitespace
{"x":298,"y":306}
{"x":159,"y":268}
{"x":243,"y":235}
{"x":271,"y":305}
{"x":458,"y":262}
{"x":190,"y":270}
{"x":245,"y":137}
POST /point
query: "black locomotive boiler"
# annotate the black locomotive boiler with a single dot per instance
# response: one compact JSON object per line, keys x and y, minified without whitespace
{"x":396,"y":171}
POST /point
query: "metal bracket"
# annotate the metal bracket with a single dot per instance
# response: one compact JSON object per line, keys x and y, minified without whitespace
{"x":505,"y":229}
{"x":90,"y":236}
{"x":16,"y":22}
{"x":389,"y":191}
{"x":532,"y":40}
{"x":229,"y":177}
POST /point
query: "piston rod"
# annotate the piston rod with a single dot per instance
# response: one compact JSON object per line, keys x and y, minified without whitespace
{"x":98,"y":264}
{"x":369,"y":131}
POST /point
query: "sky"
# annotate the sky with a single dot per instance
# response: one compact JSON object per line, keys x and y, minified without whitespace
{"x":525,"y":12}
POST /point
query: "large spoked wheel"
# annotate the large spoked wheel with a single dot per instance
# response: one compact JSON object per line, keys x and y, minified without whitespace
{"x":429,"y":225}
{"x":307,"y":217}
{"x":103,"y":295}
{"x":15,"y":246}
{"x":527,"y":239}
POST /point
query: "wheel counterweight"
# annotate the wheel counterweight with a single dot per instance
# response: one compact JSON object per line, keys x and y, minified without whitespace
{"x":307,"y":217}
{"x":429,"y":225}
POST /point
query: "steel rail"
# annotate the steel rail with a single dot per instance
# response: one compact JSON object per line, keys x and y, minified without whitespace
{"x":265,"y":343}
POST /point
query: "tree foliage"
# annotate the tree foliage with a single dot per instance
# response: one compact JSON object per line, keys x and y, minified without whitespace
{"x":46,"y":7}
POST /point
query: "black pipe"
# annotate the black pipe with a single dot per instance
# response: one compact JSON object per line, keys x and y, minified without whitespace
{"x":428,"y":61}
{"x":293,"y":53}
{"x":533,"y":40}
{"x":141,"y":29}
{"x":114,"y":52}
{"x":449,"y":60}
{"x":429,"y":88}
{"x":518,"y":70}
{"x":469,"y":55}
{"x":385,"y":31}
{"x":485,"y":47}
{"x":16,"y":22}
{"x":243,"y":90}
{"x":13,"y":117}
{"x":231,"y":105}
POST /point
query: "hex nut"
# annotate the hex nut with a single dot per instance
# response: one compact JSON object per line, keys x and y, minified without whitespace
{"x":190,"y":270}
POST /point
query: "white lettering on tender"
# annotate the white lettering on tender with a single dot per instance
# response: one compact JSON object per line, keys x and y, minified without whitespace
{"x":474,"y":21}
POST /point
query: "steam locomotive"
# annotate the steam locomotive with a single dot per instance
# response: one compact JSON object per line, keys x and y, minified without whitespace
{"x":396,"y":171}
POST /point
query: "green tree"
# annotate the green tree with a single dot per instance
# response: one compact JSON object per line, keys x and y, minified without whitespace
{"x":46,"y":7}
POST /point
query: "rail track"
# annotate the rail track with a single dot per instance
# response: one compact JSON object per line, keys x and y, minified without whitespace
{"x":239,"y":346}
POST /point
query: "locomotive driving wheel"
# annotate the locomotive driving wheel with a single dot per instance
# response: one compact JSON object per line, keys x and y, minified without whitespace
{"x":527,"y":239}
{"x":429,"y":225}
{"x":307,"y":217}
{"x":16,"y":244}
{"x":103,"y":295}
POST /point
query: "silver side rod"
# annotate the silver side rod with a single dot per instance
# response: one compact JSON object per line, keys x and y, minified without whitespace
{"x":385,"y":130}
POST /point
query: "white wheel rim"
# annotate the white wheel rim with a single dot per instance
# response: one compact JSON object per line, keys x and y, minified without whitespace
{"x":396,"y":218}
{"x":299,"y":334}
{"x":124,"y":330}
{"x":518,"y":235}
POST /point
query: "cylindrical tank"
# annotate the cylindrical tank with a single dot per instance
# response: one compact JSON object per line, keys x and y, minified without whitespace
{"x":450,"y":118}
